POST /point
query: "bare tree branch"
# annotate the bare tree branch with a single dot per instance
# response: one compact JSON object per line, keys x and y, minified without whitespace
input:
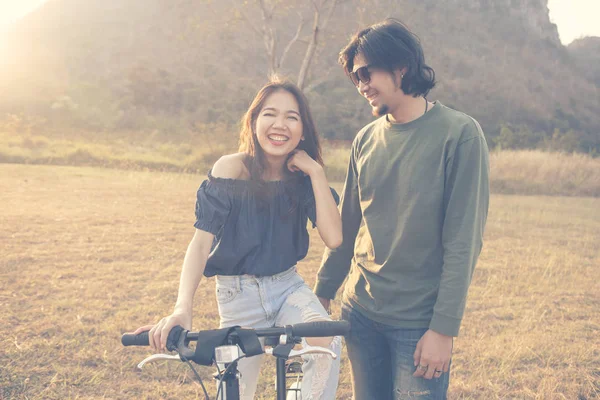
{"x":291,"y":43}
{"x":321,"y":80}
{"x":329,"y":14}
{"x":310,"y":51}
{"x":269,"y":37}
{"x":250,"y":23}
{"x":267,"y":14}
{"x":318,"y":28}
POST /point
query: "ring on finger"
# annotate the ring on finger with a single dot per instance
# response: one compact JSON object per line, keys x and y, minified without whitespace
{"x":423,"y":367}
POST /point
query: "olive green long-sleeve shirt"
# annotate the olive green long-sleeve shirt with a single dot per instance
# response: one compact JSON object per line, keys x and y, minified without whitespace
{"x":414,"y":207}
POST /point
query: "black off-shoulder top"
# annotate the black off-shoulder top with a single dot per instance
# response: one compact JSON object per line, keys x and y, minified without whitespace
{"x":255,"y":235}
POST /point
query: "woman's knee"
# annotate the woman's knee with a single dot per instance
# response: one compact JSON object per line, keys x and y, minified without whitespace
{"x":320,"y":341}
{"x":333,"y":343}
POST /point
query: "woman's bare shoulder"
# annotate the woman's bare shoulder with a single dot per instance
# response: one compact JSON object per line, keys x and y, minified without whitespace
{"x":231,"y":166}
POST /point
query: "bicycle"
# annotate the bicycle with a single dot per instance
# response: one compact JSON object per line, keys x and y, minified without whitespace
{"x":229,"y":345}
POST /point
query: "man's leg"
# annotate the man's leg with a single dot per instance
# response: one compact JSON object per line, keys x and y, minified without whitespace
{"x":403,"y":343}
{"x":369,"y":356}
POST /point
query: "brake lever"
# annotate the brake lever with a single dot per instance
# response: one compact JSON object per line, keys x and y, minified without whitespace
{"x":158,"y":357}
{"x":306,"y":349}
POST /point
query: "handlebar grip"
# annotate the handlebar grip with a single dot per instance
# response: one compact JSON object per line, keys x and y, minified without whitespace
{"x":321,"y":328}
{"x":141,"y":339}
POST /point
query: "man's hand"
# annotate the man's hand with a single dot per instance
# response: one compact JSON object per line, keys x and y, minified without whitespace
{"x":432,"y":357}
{"x":326,"y":304}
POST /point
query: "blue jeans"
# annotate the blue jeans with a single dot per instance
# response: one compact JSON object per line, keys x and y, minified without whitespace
{"x":278,"y":300}
{"x":382,"y":364}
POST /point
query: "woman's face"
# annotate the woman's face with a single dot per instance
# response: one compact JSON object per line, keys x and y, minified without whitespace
{"x":278,"y":125}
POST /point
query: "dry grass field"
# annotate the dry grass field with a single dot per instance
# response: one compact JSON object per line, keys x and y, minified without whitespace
{"x":89,"y":253}
{"x":530,"y":172}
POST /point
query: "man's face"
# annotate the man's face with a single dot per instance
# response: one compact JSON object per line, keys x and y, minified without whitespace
{"x":381,"y":91}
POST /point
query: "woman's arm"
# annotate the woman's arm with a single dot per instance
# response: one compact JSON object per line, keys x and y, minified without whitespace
{"x":191,"y":274}
{"x":329,"y":223}
{"x":211,"y":212}
{"x":335,"y":265}
{"x":193,"y":269}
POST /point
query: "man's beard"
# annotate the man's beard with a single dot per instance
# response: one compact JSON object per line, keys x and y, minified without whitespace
{"x":380,"y":111}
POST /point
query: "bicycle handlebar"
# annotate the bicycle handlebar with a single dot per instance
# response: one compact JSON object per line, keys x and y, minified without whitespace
{"x":321,"y":329}
{"x":304,"y":329}
{"x":129,"y":339}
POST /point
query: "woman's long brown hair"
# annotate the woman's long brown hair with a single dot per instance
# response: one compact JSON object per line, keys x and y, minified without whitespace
{"x":255,"y":161}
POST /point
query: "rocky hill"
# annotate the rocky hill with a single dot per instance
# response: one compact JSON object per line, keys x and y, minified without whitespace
{"x":168,"y":65}
{"x":586,"y":53}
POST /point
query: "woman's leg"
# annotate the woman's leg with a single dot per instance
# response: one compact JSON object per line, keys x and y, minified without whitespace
{"x":321,"y":371}
{"x":240,"y":304}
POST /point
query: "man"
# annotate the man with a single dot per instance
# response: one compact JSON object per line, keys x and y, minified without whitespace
{"x":414,"y":208}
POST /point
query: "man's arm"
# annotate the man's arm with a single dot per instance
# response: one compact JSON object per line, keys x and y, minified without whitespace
{"x":466,"y":198}
{"x":336,"y":262}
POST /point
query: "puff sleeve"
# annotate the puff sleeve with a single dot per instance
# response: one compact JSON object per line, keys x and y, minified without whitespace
{"x":213,"y":205}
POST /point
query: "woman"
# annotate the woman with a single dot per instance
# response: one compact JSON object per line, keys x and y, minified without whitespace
{"x":251,"y":217}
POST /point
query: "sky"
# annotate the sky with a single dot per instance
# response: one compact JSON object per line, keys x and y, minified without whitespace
{"x":574,"y":18}
{"x":12,"y":10}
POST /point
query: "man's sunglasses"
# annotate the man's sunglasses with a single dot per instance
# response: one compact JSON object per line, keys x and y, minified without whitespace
{"x":362,"y":74}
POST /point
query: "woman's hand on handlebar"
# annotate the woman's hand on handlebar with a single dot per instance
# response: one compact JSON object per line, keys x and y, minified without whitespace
{"x":157,"y":337}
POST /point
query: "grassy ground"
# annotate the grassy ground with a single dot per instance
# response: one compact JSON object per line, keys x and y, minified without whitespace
{"x":89,"y":253}
{"x":538,"y":172}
